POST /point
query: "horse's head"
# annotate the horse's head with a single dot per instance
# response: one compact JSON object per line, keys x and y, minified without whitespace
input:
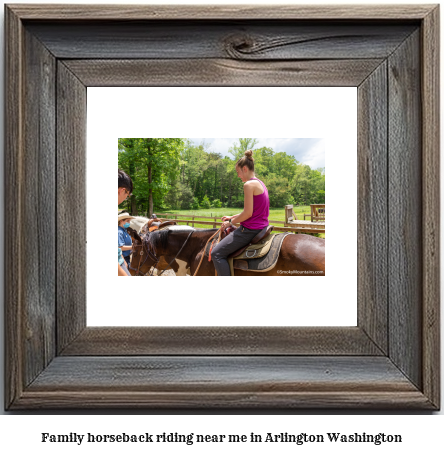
{"x":140,"y":259}
{"x":133,"y":233}
{"x":148,"y":251}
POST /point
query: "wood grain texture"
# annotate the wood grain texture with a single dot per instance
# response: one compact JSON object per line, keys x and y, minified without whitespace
{"x":221,"y":72}
{"x":89,"y":374}
{"x":430,"y":94}
{"x":405,"y":209}
{"x":209,"y":373}
{"x":224,"y":12}
{"x":258,"y":401}
{"x":372,"y":207}
{"x":127,"y":341}
{"x":14,"y":194}
{"x":71,"y":206}
{"x":234,"y":382}
{"x":38,"y":209}
{"x":235,"y":40}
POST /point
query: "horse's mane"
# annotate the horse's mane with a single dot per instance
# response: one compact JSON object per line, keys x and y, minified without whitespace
{"x":159,"y":238}
{"x":156,"y":239}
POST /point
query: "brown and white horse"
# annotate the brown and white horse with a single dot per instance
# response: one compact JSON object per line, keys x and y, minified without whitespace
{"x":300,"y":254}
{"x":138,"y":227}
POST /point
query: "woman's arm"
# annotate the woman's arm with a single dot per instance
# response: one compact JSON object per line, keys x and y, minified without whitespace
{"x":122,"y":241}
{"x":228,"y":217}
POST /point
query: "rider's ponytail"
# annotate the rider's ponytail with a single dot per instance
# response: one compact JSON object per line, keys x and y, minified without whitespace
{"x":247,"y":160}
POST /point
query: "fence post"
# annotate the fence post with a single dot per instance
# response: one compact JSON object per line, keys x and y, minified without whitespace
{"x":215,"y":220}
{"x":193,"y":223}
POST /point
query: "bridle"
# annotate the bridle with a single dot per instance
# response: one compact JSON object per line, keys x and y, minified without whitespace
{"x":148,"y":255}
{"x":156,"y":260}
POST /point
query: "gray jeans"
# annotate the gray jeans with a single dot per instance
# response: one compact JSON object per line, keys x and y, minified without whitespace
{"x":234,"y":241}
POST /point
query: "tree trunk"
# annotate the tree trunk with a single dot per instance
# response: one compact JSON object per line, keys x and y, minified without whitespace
{"x":150,"y":180}
{"x":215,"y":183}
{"x":133,"y":206}
{"x":221,"y":183}
{"x":151,"y":208}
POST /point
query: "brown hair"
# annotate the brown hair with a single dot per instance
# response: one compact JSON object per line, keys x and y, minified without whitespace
{"x":247,"y":160}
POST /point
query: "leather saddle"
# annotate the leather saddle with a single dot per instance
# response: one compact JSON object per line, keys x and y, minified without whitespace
{"x":256,"y":240}
{"x":157,"y":224}
{"x":227,"y":231}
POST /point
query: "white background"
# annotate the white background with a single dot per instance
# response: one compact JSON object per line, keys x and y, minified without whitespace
{"x":276,"y":112}
{"x":20,"y":434}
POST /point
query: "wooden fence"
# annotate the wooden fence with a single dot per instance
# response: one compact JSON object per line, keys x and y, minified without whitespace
{"x":192,"y":219}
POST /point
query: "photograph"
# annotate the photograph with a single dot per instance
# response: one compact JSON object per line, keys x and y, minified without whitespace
{"x":186,"y":200}
{"x":198,"y":206}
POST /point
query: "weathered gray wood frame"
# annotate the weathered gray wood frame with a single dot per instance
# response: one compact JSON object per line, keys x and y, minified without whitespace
{"x":390,"y":360}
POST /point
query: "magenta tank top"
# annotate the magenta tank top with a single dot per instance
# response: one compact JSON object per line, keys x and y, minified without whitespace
{"x":261,"y":210}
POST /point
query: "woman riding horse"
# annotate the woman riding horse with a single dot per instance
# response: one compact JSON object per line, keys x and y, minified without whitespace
{"x":299,"y":252}
{"x":252,"y":219}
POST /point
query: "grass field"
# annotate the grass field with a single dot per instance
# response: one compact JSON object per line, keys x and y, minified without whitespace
{"x":277,"y":214}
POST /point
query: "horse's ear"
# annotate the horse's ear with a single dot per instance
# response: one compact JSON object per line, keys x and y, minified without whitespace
{"x":134,"y":235}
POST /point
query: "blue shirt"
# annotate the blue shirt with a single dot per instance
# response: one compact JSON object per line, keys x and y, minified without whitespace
{"x":124,"y":239}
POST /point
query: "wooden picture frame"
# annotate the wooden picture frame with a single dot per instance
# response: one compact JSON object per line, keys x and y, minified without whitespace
{"x":390,"y":360}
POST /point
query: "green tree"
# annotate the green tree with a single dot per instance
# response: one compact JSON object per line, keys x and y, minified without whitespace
{"x":263,"y":162}
{"x":284,"y":165}
{"x":179,"y":196}
{"x":279,"y":191}
{"x":153,"y":164}
{"x":233,"y":185}
{"x":206,"y":202}
{"x":237,"y":150}
{"x":171,"y":199}
{"x":308,"y":185}
{"x":195,"y":203}
{"x":194,"y":161}
{"x":183,"y":174}
{"x":185,"y":196}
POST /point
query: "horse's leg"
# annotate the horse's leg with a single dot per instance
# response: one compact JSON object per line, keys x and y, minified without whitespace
{"x":164,"y":262}
{"x":182,"y":269}
{"x":206,"y":267}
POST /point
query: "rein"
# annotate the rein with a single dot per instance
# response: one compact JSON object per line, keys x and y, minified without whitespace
{"x":148,"y":255}
{"x":178,"y":253}
{"x":203,"y":252}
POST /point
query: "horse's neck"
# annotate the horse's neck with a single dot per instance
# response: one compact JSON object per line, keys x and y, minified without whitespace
{"x":204,"y":236}
{"x":195,"y":244}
